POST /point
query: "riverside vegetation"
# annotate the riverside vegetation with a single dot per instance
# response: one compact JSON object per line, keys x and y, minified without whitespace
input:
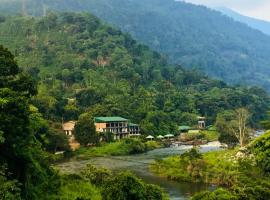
{"x":244,"y":173}
{"x":74,"y":65}
{"x":119,"y":148}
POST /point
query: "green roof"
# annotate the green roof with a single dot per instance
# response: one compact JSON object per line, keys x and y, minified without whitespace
{"x":131,"y":124}
{"x":110,"y":119}
{"x":184,"y":128}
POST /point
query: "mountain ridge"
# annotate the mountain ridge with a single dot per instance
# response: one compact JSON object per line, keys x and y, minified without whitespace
{"x":262,"y":25}
{"x":84,"y":65}
{"x":190,"y":35}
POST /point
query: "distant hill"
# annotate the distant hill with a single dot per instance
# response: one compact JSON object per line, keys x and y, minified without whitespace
{"x":193,"y":36}
{"x":263,"y":26}
{"x":82,"y":64}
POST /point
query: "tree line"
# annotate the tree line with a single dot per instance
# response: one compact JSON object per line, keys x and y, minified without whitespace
{"x":84,"y":65}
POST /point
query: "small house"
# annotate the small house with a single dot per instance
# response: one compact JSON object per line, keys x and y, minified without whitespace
{"x":201,"y":123}
{"x":68,"y":127}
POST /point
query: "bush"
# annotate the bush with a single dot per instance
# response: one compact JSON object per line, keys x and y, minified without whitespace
{"x":192,"y":135}
{"x":74,"y":187}
{"x":9,"y":189}
{"x":192,"y":154}
{"x":97,"y":176}
{"x":135,"y":146}
{"x":154,"y":192}
{"x":219,"y":194}
{"x":126,"y":186}
{"x":150,"y":145}
{"x":85,"y":130}
{"x":107,"y":136}
{"x":261,"y":149}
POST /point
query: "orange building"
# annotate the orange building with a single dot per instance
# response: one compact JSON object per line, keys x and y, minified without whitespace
{"x":116,"y":125}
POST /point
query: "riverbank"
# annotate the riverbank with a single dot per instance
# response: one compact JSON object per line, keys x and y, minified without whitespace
{"x":211,"y":167}
{"x":225,"y":168}
{"x":139,"y":165}
{"x":119,"y":148}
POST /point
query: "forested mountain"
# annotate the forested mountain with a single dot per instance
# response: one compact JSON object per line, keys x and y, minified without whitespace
{"x":261,"y":25}
{"x":84,"y":65}
{"x":193,"y":36}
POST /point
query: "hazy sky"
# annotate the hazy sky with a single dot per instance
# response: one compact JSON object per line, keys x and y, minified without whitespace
{"x":253,"y":8}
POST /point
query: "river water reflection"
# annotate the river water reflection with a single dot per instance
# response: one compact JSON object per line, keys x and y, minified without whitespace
{"x":138,"y":164}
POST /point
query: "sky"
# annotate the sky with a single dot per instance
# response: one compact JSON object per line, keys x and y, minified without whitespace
{"x":259,"y":9}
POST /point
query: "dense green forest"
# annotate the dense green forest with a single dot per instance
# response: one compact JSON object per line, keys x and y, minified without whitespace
{"x":25,"y":161}
{"x":190,"y":35}
{"x":83,"y":65}
{"x":67,"y":66}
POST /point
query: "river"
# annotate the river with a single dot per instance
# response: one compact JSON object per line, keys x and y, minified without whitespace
{"x":138,"y":164}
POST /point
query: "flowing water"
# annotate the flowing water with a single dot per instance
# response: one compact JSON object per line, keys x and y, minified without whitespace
{"x":138,"y":164}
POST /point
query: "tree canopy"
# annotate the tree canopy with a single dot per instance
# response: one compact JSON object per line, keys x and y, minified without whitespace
{"x":27,"y":169}
{"x":83,"y":65}
{"x":191,"y":35}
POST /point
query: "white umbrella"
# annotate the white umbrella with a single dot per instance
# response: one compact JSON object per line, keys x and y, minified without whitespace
{"x":168,"y":135}
{"x":150,"y":137}
{"x":160,"y":137}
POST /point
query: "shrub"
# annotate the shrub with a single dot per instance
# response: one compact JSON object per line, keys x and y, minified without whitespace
{"x":261,"y":149}
{"x":96,"y":176}
{"x":154,"y":192}
{"x":135,"y":146}
{"x":74,"y":187}
{"x":150,"y":145}
{"x":124,"y":186}
{"x":192,"y":154}
{"x":219,"y":194}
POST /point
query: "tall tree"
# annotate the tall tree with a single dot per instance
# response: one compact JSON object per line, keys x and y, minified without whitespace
{"x":223,"y":127}
{"x":20,"y":149}
{"x":239,"y":126}
{"x":85,"y":130}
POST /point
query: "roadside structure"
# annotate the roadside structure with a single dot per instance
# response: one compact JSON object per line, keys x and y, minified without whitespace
{"x":68,"y":128}
{"x":201,"y":122}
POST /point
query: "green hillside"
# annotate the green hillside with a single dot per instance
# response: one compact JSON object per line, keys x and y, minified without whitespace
{"x":193,"y":36}
{"x":84,"y":65}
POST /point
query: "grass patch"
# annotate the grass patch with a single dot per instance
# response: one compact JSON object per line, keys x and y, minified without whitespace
{"x":119,"y":148}
{"x":109,"y":149}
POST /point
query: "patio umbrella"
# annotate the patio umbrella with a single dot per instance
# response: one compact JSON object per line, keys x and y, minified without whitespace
{"x":160,"y":137}
{"x":168,"y":135}
{"x":150,"y":137}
